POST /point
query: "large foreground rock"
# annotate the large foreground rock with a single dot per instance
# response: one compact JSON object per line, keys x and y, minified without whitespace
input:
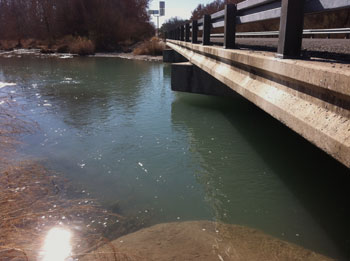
{"x":201,"y":240}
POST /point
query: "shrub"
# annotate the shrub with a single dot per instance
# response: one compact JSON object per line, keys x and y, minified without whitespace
{"x":28,"y":43}
{"x":152,"y":47}
{"x":8,"y":45}
{"x":82,"y":46}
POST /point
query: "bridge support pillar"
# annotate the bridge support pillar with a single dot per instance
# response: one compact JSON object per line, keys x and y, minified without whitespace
{"x":186,"y":77}
{"x":170,"y":56}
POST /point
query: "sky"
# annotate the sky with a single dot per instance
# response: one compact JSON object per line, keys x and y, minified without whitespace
{"x":180,"y":8}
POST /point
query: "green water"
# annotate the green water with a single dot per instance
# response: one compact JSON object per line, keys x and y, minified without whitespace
{"x":115,"y":127}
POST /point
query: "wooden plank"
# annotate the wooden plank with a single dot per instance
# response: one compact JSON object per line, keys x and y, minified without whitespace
{"x":230,"y":26}
{"x":291,"y":29}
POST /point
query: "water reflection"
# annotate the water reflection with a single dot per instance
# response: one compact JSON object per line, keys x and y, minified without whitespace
{"x":264,"y":175}
{"x":57,"y":245}
{"x":82,"y":90}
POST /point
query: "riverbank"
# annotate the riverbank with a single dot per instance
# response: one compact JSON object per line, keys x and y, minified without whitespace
{"x":131,"y":56}
{"x":17,"y":53}
{"x":84,"y":47}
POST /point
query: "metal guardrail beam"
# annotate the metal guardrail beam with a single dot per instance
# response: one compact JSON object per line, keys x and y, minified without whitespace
{"x":305,"y":32}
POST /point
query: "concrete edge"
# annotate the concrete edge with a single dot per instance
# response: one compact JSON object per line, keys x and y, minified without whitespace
{"x":334,"y":78}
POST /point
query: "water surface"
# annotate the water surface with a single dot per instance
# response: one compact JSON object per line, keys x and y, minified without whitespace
{"x":115,"y":127}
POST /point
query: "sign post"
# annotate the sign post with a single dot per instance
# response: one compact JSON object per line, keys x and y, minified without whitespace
{"x":158,"y":13}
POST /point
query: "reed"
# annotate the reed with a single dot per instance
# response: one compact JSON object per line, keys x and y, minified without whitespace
{"x":152,"y":47}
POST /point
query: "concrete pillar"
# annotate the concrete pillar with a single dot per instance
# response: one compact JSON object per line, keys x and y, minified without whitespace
{"x":170,"y":56}
{"x":185,"y":77}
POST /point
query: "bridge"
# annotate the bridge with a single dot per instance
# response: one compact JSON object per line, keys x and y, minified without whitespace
{"x":309,"y":95}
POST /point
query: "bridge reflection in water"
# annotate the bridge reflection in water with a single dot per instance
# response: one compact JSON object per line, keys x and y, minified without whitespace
{"x":285,"y":187}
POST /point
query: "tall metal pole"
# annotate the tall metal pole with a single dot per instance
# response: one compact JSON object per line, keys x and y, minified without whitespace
{"x":158,"y":26}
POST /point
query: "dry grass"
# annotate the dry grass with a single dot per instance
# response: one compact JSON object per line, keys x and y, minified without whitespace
{"x":152,"y":47}
{"x":8,"y":45}
{"x":67,"y":44}
{"x":81,"y":46}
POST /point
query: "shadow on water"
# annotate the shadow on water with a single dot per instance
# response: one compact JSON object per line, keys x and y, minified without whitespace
{"x":316,"y":180}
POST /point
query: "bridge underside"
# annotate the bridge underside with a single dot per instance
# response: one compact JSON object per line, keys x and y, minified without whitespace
{"x":311,"y":97}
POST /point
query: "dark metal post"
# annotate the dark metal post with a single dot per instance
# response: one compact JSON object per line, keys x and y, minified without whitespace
{"x":182,"y":34}
{"x":206,"y":29}
{"x":230,"y":26}
{"x":194,"y":31}
{"x":178,"y":33}
{"x":187,"y":32}
{"x":291,"y":29}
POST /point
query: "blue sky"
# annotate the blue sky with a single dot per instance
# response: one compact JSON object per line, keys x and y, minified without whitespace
{"x":180,"y":8}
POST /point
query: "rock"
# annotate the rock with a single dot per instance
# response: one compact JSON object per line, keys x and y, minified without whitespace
{"x":201,"y":240}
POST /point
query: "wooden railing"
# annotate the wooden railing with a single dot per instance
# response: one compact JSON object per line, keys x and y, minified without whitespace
{"x":290,"y":12}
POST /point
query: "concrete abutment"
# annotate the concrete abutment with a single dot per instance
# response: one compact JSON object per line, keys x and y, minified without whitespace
{"x":170,"y":56}
{"x":186,"y":77}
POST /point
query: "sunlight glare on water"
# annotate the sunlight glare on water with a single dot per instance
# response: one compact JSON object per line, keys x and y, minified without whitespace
{"x":57,"y":245}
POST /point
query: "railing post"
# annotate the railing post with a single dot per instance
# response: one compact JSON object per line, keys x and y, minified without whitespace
{"x":187,"y":32}
{"x":194,"y":31}
{"x":291,"y":29}
{"x":178,"y":33}
{"x":206,"y":29}
{"x":182,"y":34}
{"x":230,"y":26}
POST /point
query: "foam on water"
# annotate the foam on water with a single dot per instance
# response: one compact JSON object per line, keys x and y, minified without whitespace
{"x":5,"y":84}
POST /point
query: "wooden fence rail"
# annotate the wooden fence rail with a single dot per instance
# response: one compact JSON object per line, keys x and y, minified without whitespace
{"x":290,"y":12}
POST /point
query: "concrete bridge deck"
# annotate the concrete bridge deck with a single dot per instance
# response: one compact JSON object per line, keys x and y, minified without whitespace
{"x":311,"y":97}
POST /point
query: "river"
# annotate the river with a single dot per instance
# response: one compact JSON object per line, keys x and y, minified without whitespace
{"x":114,"y":127}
